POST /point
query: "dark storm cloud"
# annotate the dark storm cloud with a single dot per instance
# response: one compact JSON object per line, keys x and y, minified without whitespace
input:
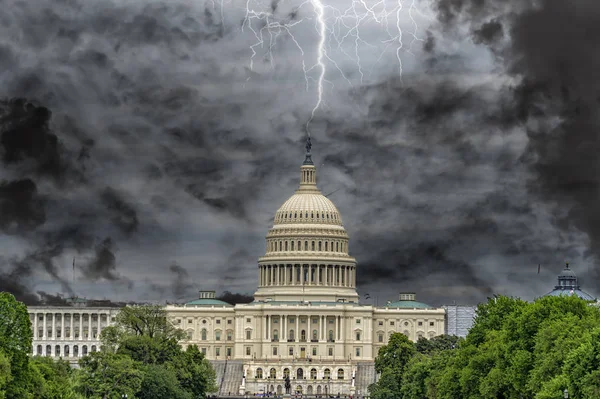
{"x":453,"y":181}
{"x":556,"y":98}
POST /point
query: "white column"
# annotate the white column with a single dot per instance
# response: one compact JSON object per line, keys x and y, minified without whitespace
{"x":283,"y":328}
{"x":264,"y":327}
{"x":98,"y":330}
{"x":35,"y":327}
{"x":71,"y":333}
{"x":89,"y":326}
{"x":269,"y":328}
{"x":44,"y":334}
{"x":80,"y":329}
{"x":297,"y":332}
{"x":53,"y":325}
{"x":62,"y":326}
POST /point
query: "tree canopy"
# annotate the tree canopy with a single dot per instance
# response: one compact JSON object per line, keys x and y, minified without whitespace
{"x":515,"y":350}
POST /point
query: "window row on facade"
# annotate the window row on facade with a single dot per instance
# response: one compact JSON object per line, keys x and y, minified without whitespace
{"x":327,"y":275}
{"x":299,"y":373}
{"x":293,"y":245}
{"x":312,"y":216}
{"x":63,"y":350}
{"x":66,"y":325}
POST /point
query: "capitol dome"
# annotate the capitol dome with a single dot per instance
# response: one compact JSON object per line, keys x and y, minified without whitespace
{"x":307,"y":255}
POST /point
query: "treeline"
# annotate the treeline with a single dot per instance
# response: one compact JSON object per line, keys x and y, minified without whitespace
{"x":516,"y":350}
{"x":141,"y":358}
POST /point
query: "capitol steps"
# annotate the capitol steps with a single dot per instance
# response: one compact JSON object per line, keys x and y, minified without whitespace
{"x":365,"y":376}
{"x":229,"y":376}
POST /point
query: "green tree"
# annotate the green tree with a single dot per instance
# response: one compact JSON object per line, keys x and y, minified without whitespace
{"x":194,"y":372}
{"x":5,"y":374}
{"x":148,"y":350}
{"x":436,"y":344}
{"x":54,"y":378}
{"x":106,"y":375}
{"x":396,"y":354}
{"x":161,"y":382}
{"x":148,"y":320}
{"x":15,"y":343}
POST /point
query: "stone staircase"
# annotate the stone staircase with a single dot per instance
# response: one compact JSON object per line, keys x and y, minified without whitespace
{"x":365,"y":376}
{"x":229,"y":375}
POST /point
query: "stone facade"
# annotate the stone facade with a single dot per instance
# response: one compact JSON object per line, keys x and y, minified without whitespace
{"x":68,"y":332}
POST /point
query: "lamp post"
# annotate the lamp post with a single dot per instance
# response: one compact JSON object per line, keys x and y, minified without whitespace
{"x":566,"y":393}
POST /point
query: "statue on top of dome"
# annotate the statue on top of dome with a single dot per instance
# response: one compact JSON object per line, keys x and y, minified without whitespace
{"x":308,"y":145}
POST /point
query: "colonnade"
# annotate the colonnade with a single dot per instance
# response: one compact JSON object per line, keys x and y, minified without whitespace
{"x":51,"y":330}
{"x":69,"y":350}
{"x":310,"y":275}
{"x":303,"y":328}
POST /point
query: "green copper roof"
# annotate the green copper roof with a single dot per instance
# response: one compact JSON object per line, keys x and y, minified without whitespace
{"x":408,"y":305}
{"x":207,"y":302}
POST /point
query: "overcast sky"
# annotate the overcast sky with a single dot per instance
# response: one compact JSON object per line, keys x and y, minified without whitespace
{"x":156,"y":139}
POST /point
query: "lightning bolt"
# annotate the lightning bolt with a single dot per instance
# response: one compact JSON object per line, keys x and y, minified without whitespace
{"x":334,"y":27}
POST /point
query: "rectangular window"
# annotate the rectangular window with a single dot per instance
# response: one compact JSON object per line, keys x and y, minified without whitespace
{"x":291,"y":351}
{"x":380,"y":337}
{"x":217,"y":351}
{"x":380,"y":323}
{"x":431,"y":323}
{"x":275,"y":321}
{"x":357,"y":321}
{"x":391,"y":323}
{"x":331,"y":321}
{"x":314,"y":351}
{"x":203,"y":350}
{"x":292,"y":320}
{"x":315,"y":321}
{"x":248,"y":320}
{"x":357,"y":351}
{"x":302,"y":320}
{"x":248,"y":334}
{"x":229,"y":321}
{"x":358,"y":336}
{"x":274,"y":351}
{"x":248,"y":350}
{"x":330,"y":351}
{"x":218,"y":321}
{"x":189,"y":321}
{"x":420,"y":323}
{"x":228,"y":351}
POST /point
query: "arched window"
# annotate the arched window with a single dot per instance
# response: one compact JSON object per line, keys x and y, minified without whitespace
{"x":337,"y":247}
{"x":229,"y":335}
{"x":75,"y":350}
{"x":217,"y":335}
{"x":313,"y":245}
{"x":303,"y":335}
{"x":326,"y":246}
{"x":299,"y":374}
{"x":313,"y":374}
{"x":314,"y":335}
{"x":57,"y":350}
{"x":292,"y":245}
{"x":340,"y":374}
{"x":259,"y":373}
{"x":66,"y":351}
{"x":317,"y":215}
{"x":291,"y":335}
{"x":319,"y":245}
{"x":306,"y":245}
{"x":84,"y":350}
{"x":49,"y":350}
{"x":326,"y":374}
{"x":306,"y":214}
{"x":280,"y":245}
{"x":93,"y":348}
{"x":330,"y":335}
{"x":275,"y":335}
{"x":286,"y":245}
{"x":295,"y":215}
{"x":312,"y":215}
{"x":39,"y":350}
{"x":380,"y":337}
{"x":299,"y":245}
{"x":273,"y":373}
{"x":358,"y":335}
{"x":203,"y":334}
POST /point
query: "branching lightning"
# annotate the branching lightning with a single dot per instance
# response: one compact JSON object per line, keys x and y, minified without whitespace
{"x":334,"y":27}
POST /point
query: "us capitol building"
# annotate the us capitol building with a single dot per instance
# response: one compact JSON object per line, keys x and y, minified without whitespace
{"x":306,"y":322}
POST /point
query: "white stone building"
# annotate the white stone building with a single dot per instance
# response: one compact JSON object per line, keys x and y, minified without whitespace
{"x":68,"y":332}
{"x":306,"y":321}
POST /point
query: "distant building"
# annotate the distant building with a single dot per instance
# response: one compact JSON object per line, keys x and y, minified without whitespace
{"x":459,"y":319}
{"x":568,"y":285}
